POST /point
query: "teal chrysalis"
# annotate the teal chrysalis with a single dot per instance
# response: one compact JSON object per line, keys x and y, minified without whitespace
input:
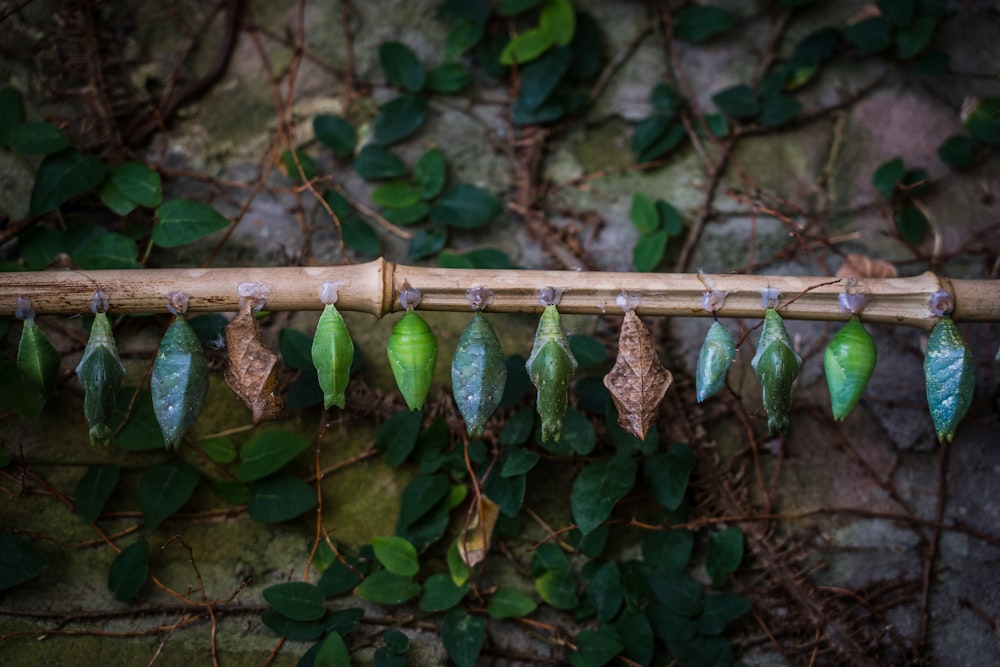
{"x":37,"y":360}
{"x":717,"y":354}
{"x":332,"y":350}
{"x":412,"y":353}
{"x":478,"y":372}
{"x":179,"y":382}
{"x":950,"y":378}
{"x":100,"y":372}
{"x":850,"y":358}
{"x":550,"y":368}
{"x":776,"y":364}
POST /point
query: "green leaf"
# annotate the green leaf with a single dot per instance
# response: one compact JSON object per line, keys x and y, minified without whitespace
{"x":649,"y":250}
{"x":430,"y":173}
{"x":643,"y":214}
{"x":887,"y":175}
{"x":295,"y":348}
{"x":465,"y":206}
{"x":648,"y":132}
{"x":668,"y":549}
{"x":408,"y":215}
{"x":670,"y":627}
{"x":141,"y":430}
{"x":506,"y":492}
{"x":291,"y":169}
{"x":717,"y":124}
{"x":526,"y":47}
{"x":666,"y":474}
{"x":673,"y":221}
{"x":94,"y":489}
{"x":778,"y":110}
{"x":397,"y":436}
{"x":518,"y":428}
{"x":402,"y":67}
{"x":220,"y":449}
{"x":463,"y":635}
{"x":915,"y":181}
{"x":817,"y":47}
{"x":739,"y":101}
{"x":108,"y":251}
{"x":911,"y":223}
{"x":441,"y":593}
{"x":519,"y":461}
{"x":333,"y":652}
{"x":112,"y":197}
{"x":725,"y":552}
{"x":983,"y":121}
{"x":163,"y":489}
{"x":34,"y":138}
{"x":297,"y":600}
{"x":588,"y":48}
{"x":231,"y":491}
{"x":296,"y":631}
{"x":595,"y":648}
{"x":11,"y":112}
{"x":721,"y":610}
{"x":138,"y":183}
{"x":129,"y":571}
{"x":913,"y":38}
{"x":699,"y":23}
{"x":397,"y":555}
{"x":598,"y":487}
{"x":448,"y":78}
{"x":374,"y":163}
{"x":427,"y":242}
{"x":870,"y":36}
{"x":339,"y":579}
{"x":541,"y":77}
{"x":558,"y":589}
{"x":359,"y":236}
{"x":604,"y":590}
{"x":182,"y":221}
{"x":510,"y":603}
{"x":897,"y":12}
{"x":19,"y":561}
{"x":343,"y":620}
{"x":396,"y":194}
{"x":677,"y":592}
{"x":419,"y":497}
{"x":397,"y":119}
{"x":280,"y":498}
{"x":587,"y":350}
{"x":514,"y":7}
{"x":267,"y":452}
{"x":548,"y":557}
{"x":558,"y":19}
{"x":637,"y":635}
{"x":385,"y":587}
{"x":957,"y":151}
{"x":665,"y":100}
{"x":335,"y":133}
{"x":62,"y":176}
{"x":462,"y":36}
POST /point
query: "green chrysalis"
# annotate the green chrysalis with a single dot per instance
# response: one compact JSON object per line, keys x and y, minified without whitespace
{"x":179,"y":382}
{"x":550,"y":367}
{"x":332,"y":354}
{"x":717,"y":354}
{"x":37,"y":360}
{"x":412,"y":352}
{"x":849,"y":362}
{"x":776,"y":364}
{"x":949,"y":374}
{"x":478,"y":374}
{"x":100,"y":372}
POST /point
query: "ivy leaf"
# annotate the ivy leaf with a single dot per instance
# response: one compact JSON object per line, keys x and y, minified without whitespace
{"x":420,"y":497}
{"x":268,"y":451}
{"x":62,"y":176}
{"x":34,"y":138}
{"x":526,"y":47}
{"x":19,"y":561}
{"x":384,"y":587}
{"x":427,"y":242}
{"x":699,"y":23}
{"x":374,"y":163}
{"x":397,"y":555}
{"x":598,"y":487}
{"x":510,"y":603}
{"x":402,"y":67}
{"x":887,"y":175}
{"x":668,"y":549}
{"x":163,"y":489}
{"x":558,"y":589}
{"x":405,"y":216}
{"x":739,"y":101}
{"x":94,"y":489}
{"x":595,"y":648}
{"x":665,"y":100}
{"x":359,"y":236}
{"x":649,"y":250}
{"x":778,"y":110}
{"x":463,"y":635}
{"x":112,"y":197}
{"x":643,"y":214}
{"x":870,"y":36}
{"x":913,"y":38}
{"x":333,"y":652}
{"x":604,"y":590}
{"x":108,"y":251}
{"x":430,"y":173}
{"x":637,"y":634}
{"x":667,"y":473}
{"x":138,"y":183}
{"x":397,"y":436}
{"x":441,"y":593}
{"x":462,"y":36}
{"x":399,"y":118}
{"x":11,"y":113}
{"x":296,"y":631}
{"x":817,"y":47}
{"x":448,"y":78}
{"x":141,"y":431}
{"x":911,"y":223}
{"x":638,"y":381}
{"x":465,"y":206}
{"x":720,"y":610}
{"x":983,"y":120}
{"x":220,"y":449}
{"x":673,"y":222}
{"x":280,"y":498}
{"x":957,"y":151}
{"x":677,"y":592}
{"x":297,"y":600}
{"x":541,"y":77}
{"x":396,"y":194}
{"x":181,"y":221}
{"x":335,"y":133}
{"x":129,"y":571}
{"x":588,"y":48}
{"x":725,"y":552}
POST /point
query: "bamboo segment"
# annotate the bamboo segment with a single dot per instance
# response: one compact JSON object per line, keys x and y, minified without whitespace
{"x":374,"y":288}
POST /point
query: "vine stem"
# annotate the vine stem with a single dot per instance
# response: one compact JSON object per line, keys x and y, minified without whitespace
{"x":374,"y":288}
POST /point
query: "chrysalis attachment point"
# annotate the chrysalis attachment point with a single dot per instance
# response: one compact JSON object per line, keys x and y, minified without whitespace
{"x":627,"y":301}
{"x":177,"y":303}
{"x":24,"y":310}
{"x":712,"y":301}
{"x":769,"y":297}
{"x":328,"y":292}
{"x":100,"y":304}
{"x":852,"y":303}
{"x":480,"y":297}
{"x":941,"y":303}
{"x":410,"y":297}
{"x":257,"y":292}
{"x":550,"y":296}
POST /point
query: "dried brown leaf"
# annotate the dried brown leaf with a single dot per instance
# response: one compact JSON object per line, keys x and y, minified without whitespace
{"x":252,"y":372}
{"x":474,"y":542}
{"x":637,"y":381}
{"x":860,"y":266}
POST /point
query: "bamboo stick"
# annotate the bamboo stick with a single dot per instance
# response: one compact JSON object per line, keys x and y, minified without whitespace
{"x":375,"y":287}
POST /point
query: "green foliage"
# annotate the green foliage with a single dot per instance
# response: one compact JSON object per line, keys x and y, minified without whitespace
{"x":402,"y":67}
{"x":463,"y":635}
{"x":19,"y":561}
{"x":598,"y":487}
{"x":267,"y":452}
{"x":957,"y":151}
{"x":180,"y":221}
{"x":94,"y":489}
{"x":63,"y":176}
{"x":280,"y":498}
{"x":335,"y":133}
{"x":441,"y":593}
{"x":396,"y":555}
{"x":387,"y":588}
{"x":163,"y":489}
{"x":296,"y":600}
{"x":398,"y":118}
{"x":375,"y":163}
{"x":725,"y":552}
{"x":129,"y":571}
{"x":510,"y":603}
{"x":699,"y":23}
{"x":35,"y":138}
{"x":137,"y":183}
{"x":465,"y":206}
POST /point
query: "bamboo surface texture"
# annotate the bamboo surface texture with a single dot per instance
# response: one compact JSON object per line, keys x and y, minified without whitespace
{"x":374,"y":287}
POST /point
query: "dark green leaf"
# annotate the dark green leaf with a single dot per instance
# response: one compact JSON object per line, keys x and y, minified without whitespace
{"x":430,"y":173}
{"x":374,"y":163}
{"x":551,"y":111}
{"x":298,"y":166}
{"x":915,"y":181}
{"x":817,"y":47}
{"x":912,"y":39}
{"x":462,"y":36}
{"x":17,"y":394}
{"x":664,"y":143}
{"x":481,"y":258}
{"x":514,"y":7}
{"x":506,"y":492}
{"x":911,"y":223}
{"x":182,"y":221}
{"x":385,"y":587}
{"x":518,"y":461}
{"x":94,"y":489}
{"x":677,"y":592}
{"x":333,"y":652}
{"x":129,"y":571}
{"x":576,"y":437}
{"x":112,"y":197}
{"x":62,"y":176}
{"x":666,"y":474}
{"x":295,"y":348}
{"x":703,"y":650}
{"x":339,"y":579}
{"x":510,"y":603}
{"x":595,"y":648}
{"x":19,"y":561}
{"x":698,"y":23}
{"x":419,"y":497}
{"x":670,"y":627}
{"x":138,"y":183}
{"x":297,"y":600}
{"x":344,"y":620}
{"x":397,"y":555}
{"x":267,"y":452}
{"x":717,"y":124}
{"x":778,"y":110}
{"x":558,"y":589}
{"x":541,"y":77}
{"x":219,"y":449}
{"x":396,"y":194}
{"x":463,"y":635}
{"x":604,"y":590}
{"x":108,"y":251}
{"x":296,"y":631}
{"x":599,"y":486}
{"x":587,"y":350}
{"x":648,"y":133}
{"x":517,"y":381}
{"x":427,"y":242}
{"x":518,"y":428}
{"x":637,"y":635}
{"x":399,"y":118}
{"x":739,"y":101}
{"x":11,"y":112}
{"x":870,"y":36}
{"x":359,"y":236}
{"x":548,"y":557}
{"x":588,"y":48}
{"x":668,"y":549}
{"x":336,"y":133}
{"x":397,"y":436}
{"x":466,"y":206}
{"x":526,"y":47}
{"x":957,"y":151}
{"x":39,"y":245}
{"x":725,"y":552}
{"x":232,"y":491}
{"x":665,"y":100}
{"x":441,"y":593}
{"x":34,"y":138}
{"x":476,"y":11}
{"x":649,"y":251}
{"x":673,"y":222}
{"x":408,"y":215}
{"x":280,"y":498}
{"x":643,"y":214}
{"x":163,"y":489}
{"x":721,"y":610}
{"x":983,"y":121}
{"x":401,"y":65}
{"x":897,"y":12}
{"x":448,"y":78}
{"x":887,"y":175}
{"x":340,"y":206}
{"x":141,"y":430}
